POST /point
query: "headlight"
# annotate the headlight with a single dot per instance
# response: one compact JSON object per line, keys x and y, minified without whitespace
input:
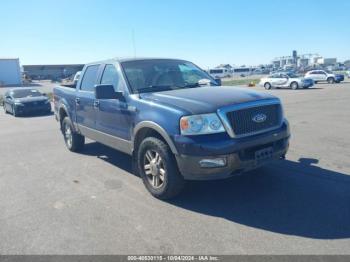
{"x":201,"y":124}
{"x":47,"y":102}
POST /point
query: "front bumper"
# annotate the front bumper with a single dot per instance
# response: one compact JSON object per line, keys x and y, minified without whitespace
{"x":23,"y":109}
{"x":239,"y":154}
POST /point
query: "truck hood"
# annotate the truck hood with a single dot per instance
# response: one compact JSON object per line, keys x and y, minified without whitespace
{"x":207,"y":99}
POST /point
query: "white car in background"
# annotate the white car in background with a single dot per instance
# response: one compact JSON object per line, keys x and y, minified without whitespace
{"x":324,"y":76}
{"x":285,"y":80}
{"x":220,"y":72}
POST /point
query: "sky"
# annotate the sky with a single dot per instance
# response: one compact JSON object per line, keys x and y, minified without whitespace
{"x":206,"y":32}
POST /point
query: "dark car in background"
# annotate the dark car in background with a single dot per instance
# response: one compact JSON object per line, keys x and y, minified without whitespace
{"x":25,"y":101}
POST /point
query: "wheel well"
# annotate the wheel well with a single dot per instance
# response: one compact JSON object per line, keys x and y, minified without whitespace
{"x":294,"y":82}
{"x":144,"y":133}
{"x":62,"y":115}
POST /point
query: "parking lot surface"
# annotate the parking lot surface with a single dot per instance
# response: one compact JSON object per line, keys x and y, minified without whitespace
{"x":53,"y":201}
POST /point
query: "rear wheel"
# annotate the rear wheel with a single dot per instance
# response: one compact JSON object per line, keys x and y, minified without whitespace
{"x":158,"y":169}
{"x":267,"y":86}
{"x":331,"y":80}
{"x":74,"y":141}
{"x":294,"y":85}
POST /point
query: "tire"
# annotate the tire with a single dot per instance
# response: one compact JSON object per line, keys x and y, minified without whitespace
{"x":14,"y":113}
{"x":294,"y":85}
{"x":267,"y":86}
{"x":74,"y":141}
{"x":331,"y":80}
{"x":158,"y":169}
{"x":5,"y":110}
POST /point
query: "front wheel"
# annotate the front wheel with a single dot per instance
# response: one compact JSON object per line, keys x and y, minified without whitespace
{"x":74,"y":141}
{"x":14,"y":113}
{"x":158,"y":169}
{"x":294,"y":85}
{"x":267,"y":86}
{"x":331,"y":80}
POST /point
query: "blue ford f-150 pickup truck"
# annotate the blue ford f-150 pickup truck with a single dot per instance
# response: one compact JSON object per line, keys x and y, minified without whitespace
{"x":174,"y":120}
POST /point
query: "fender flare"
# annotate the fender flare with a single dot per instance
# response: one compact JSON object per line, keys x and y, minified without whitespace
{"x":157,"y":128}
{"x":65,"y":108}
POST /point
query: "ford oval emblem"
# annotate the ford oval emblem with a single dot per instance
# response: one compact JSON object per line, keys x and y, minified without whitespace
{"x":259,"y":118}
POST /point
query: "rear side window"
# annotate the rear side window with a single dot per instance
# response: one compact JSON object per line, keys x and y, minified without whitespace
{"x":111,"y":77}
{"x":90,"y":77}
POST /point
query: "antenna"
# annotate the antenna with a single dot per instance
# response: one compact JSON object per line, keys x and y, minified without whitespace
{"x":133,"y":41}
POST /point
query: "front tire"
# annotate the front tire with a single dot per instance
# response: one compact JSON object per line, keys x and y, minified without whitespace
{"x":294,"y":85}
{"x":158,"y":169}
{"x":331,"y":80}
{"x":267,"y":86}
{"x":14,"y":113}
{"x":74,"y":141}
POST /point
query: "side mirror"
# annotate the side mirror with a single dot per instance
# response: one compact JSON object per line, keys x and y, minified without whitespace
{"x":107,"y":92}
{"x":44,"y":94}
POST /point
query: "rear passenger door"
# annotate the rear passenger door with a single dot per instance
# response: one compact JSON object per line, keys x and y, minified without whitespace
{"x":85,"y":98}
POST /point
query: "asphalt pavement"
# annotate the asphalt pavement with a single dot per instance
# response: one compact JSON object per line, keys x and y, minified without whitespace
{"x":53,"y":201}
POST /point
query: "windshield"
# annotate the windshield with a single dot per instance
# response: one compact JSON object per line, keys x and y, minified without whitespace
{"x":26,"y":93}
{"x":162,"y":75}
{"x":292,"y":75}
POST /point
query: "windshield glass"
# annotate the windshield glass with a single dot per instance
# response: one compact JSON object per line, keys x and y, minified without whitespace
{"x":292,"y":75}
{"x":26,"y":93}
{"x":162,"y":75}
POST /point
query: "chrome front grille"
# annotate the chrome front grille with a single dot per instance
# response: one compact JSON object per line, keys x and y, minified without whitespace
{"x":252,"y":118}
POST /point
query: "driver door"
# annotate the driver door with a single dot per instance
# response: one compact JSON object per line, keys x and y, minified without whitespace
{"x":113,"y":115}
{"x":283,"y":80}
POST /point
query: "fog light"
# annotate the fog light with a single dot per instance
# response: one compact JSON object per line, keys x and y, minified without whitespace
{"x":214,"y":162}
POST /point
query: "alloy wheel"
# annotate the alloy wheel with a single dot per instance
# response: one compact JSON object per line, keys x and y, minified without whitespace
{"x":68,"y":135}
{"x":154,"y":168}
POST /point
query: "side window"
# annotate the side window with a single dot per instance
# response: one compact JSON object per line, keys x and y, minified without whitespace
{"x":111,"y":77}
{"x":89,"y":79}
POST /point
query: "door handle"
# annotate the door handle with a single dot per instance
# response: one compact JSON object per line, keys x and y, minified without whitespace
{"x":77,"y":101}
{"x":96,"y":103}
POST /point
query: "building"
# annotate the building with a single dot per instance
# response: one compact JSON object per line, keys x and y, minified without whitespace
{"x":227,"y":66}
{"x":51,"y":72}
{"x":302,"y":61}
{"x":10,"y":72}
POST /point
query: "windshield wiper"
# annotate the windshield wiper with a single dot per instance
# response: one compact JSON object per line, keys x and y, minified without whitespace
{"x":154,"y":88}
